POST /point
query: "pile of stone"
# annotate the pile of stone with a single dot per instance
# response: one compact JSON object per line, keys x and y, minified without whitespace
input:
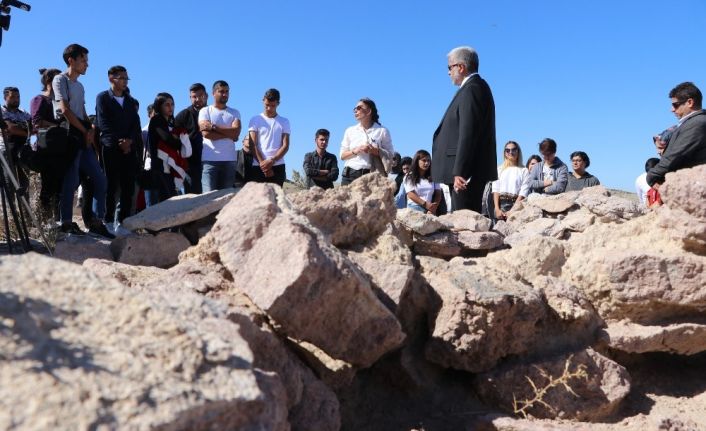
{"x":324,"y":310}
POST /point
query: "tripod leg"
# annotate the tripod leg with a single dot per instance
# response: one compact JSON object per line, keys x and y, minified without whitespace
{"x":6,"y":220}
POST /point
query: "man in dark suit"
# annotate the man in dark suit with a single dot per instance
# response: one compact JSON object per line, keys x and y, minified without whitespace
{"x":687,"y":145}
{"x":463,"y":152}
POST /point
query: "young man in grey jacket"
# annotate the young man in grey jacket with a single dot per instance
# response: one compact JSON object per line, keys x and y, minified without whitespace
{"x":551,"y":174}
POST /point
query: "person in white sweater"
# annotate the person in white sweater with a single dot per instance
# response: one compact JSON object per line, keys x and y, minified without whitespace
{"x":512,"y":184}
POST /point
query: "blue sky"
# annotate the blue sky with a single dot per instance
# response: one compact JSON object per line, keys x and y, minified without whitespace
{"x":592,"y":75}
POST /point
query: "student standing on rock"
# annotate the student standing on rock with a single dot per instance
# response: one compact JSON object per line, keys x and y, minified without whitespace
{"x":220,"y":126}
{"x":320,"y":166}
{"x":188,"y":119}
{"x":687,"y":145}
{"x":580,"y":178}
{"x":269,"y":141}
{"x":363,"y":142}
{"x":551,"y":174}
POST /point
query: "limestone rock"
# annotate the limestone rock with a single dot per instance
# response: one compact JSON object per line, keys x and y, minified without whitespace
{"x":161,"y":250}
{"x":677,"y":338}
{"x":503,"y":228}
{"x":466,"y":220}
{"x":351,"y":214}
{"x":479,"y":240}
{"x":388,"y":247}
{"x":686,"y":189}
{"x":419,"y":222}
{"x":555,"y":204}
{"x":598,"y":395}
{"x":388,"y":279}
{"x":689,"y":229}
{"x":535,"y":229}
{"x":76,"y":249}
{"x":609,"y":208}
{"x":321,"y":298}
{"x":125,"y":274}
{"x":179,"y":210}
{"x":80,"y":351}
{"x":440,"y":244}
{"x":578,"y":221}
{"x":522,"y":214}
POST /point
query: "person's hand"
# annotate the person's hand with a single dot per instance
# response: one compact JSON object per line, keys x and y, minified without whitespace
{"x":499,"y":214}
{"x":548,"y":182}
{"x":205,"y":125}
{"x":656,"y":186}
{"x":266,"y":164}
{"x":432,"y":207}
{"x":89,"y":137}
{"x":363,"y":149}
{"x":269,"y":173}
{"x":125,"y":145}
{"x":459,"y":183}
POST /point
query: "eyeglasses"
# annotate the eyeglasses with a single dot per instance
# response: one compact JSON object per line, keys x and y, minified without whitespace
{"x":675,"y":105}
{"x":121,"y":78}
{"x":511,"y":150}
{"x":453,"y":65}
{"x":576,"y":160}
{"x":358,"y":108}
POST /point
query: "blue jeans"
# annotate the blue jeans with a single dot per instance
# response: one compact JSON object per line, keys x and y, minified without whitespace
{"x":217,"y":175}
{"x":413,"y":206}
{"x":401,"y":198}
{"x":86,"y":162}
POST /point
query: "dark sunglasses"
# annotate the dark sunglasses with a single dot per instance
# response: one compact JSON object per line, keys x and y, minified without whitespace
{"x":675,"y":105}
{"x":511,"y":150}
{"x":358,"y":108}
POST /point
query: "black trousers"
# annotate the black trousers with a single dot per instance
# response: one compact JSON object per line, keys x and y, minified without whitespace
{"x":256,"y":174}
{"x":352,"y":174}
{"x":469,"y":199}
{"x":121,"y":173}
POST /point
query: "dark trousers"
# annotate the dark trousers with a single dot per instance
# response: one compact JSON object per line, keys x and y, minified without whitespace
{"x":352,"y":174}
{"x":256,"y":174}
{"x":51,"y":177}
{"x":195,"y":171}
{"x":121,"y":172}
{"x":469,"y":199}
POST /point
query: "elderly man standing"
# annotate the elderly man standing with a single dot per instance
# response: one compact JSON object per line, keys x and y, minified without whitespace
{"x":463,"y":151}
{"x":687,"y":146}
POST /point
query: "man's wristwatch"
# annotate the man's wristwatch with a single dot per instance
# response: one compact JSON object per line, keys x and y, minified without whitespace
{"x":213,"y":127}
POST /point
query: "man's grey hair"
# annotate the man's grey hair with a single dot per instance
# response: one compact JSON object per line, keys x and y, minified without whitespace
{"x":465,"y":55}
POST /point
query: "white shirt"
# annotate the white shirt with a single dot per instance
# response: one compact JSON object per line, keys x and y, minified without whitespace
{"x":466,"y":79}
{"x":220,"y":150}
{"x":119,"y":99}
{"x":513,"y":180}
{"x":424,"y":189}
{"x":641,"y":188}
{"x":269,"y":135}
{"x":356,"y":136}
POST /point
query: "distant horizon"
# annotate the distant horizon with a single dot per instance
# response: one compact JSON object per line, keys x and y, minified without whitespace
{"x":594,"y":77}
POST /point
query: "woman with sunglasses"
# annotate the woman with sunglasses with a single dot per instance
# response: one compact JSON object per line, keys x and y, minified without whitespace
{"x":423,"y":194}
{"x":364,"y":142}
{"x":511,"y":186}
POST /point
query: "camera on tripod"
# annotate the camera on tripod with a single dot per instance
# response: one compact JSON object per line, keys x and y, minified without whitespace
{"x":5,"y":8}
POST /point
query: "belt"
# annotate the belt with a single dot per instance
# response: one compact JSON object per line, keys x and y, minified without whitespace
{"x":507,"y":196}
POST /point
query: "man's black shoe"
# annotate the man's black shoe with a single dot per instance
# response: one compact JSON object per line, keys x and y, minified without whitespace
{"x":99,"y":228}
{"x":71,"y":228}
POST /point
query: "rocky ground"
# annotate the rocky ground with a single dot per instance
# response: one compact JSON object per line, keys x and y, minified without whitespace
{"x":327,"y":310}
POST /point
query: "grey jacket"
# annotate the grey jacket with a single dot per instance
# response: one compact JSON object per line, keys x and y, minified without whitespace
{"x":686,"y":149}
{"x":587,"y":180}
{"x":559,"y":173}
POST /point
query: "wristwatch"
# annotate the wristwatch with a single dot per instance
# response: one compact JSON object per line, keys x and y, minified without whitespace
{"x":213,"y":127}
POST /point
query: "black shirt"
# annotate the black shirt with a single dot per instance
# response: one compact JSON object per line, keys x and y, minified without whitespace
{"x":313,"y":163}
{"x":188,"y":119}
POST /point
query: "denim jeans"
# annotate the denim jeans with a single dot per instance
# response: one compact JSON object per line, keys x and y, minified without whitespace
{"x":217,"y":175}
{"x":416,"y":207}
{"x":87,"y":162}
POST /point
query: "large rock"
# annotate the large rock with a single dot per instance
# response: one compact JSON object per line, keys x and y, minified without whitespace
{"x":599,"y":201}
{"x":76,"y":249}
{"x":686,"y":189}
{"x":127,"y":275}
{"x":351,"y":214}
{"x":419,"y":222}
{"x":388,"y":279}
{"x":320,"y":296}
{"x":179,"y":210}
{"x":578,"y":221}
{"x":676,"y":338}
{"x":479,"y":240}
{"x":440,"y":244}
{"x":82,"y":352}
{"x":555,"y":204}
{"x":466,"y":220}
{"x":597,"y":394}
{"x":535,"y":229}
{"x":483,"y":314}
{"x":161,"y":250}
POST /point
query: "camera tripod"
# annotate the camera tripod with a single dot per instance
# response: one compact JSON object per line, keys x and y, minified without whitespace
{"x":11,"y":196}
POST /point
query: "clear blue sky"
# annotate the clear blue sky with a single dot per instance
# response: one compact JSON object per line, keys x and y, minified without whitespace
{"x":592,"y":75}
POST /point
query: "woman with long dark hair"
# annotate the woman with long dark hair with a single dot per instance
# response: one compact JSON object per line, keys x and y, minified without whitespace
{"x":366,"y":145}
{"x":165,"y":148}
{"x":422,"y":193}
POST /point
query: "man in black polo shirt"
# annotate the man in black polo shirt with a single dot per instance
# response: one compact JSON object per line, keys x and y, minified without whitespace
{"x":120,"y":137}
{"x":188,"y":119}
{"x":320,"y":166}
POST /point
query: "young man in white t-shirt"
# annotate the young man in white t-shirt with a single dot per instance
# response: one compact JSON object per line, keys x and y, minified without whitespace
{"x":220,"y":126}
{"x":269,"y":138}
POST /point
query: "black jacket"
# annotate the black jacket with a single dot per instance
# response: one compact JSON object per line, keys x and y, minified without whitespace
{"x":313,"y":163}
{"x":117,"y":122}
{"x":686,"y":149}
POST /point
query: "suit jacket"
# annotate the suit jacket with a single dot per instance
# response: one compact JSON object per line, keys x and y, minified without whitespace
{"x":464,"y":142}
{"x":686,"y":149}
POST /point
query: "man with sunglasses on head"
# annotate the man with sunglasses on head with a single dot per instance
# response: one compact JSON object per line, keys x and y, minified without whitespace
{"x":687,"y":145}
{"x":463,"y":147}
{"x":120,"y":137}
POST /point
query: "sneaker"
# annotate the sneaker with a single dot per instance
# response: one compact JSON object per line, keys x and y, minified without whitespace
{"x":99,"y":228}
{"x":119,"y":230}
{"x":71,"y":228}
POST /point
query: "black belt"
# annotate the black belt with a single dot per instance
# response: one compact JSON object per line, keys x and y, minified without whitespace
{"x":347,"y":171}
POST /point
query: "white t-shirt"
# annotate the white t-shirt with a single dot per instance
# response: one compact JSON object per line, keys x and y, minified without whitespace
{"x":269,"y":135}
{"x":356,"y":136}
{"x":513,"y":180}
{"x":220,"y":150}
{"x":641,"y":188}
{"x":424,"y":189}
